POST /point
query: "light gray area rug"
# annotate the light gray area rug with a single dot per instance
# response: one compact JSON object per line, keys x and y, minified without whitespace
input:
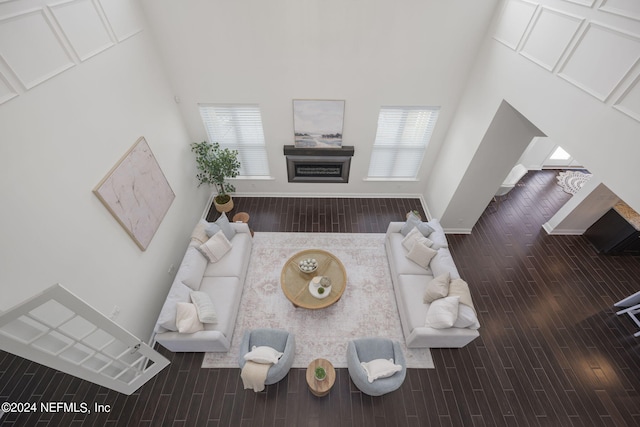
{"x":367,"y":307}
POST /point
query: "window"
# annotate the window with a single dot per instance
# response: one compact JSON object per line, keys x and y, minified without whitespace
{"x":238,"y":127}
{"x":401,"y":140}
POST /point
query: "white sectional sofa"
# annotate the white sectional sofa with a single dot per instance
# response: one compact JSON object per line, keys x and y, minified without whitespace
{"x":223,"y":281}
{"x":409,"y":282}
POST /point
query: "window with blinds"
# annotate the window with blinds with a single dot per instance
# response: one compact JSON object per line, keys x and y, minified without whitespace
{"x":401,"y":140}
{"x":238,"y":127}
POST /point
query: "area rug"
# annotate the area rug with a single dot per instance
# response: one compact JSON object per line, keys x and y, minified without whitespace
{"x":572,"y":181}
{"x":367,"y":307}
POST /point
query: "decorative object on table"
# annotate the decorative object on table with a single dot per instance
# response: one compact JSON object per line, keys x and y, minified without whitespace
{"x":308,"y":265}
{"x":137,"y":193}
{"x":572,"y":181}
{"x":320,"y":387}
{"x":318,"y":289}
{"x":215,"y":166}
{"x":325,"y":282}
{"x":320,"y":373}
{"x":318,"y":123}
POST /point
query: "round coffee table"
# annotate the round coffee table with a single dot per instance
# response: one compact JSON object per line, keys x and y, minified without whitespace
{"x":320,"y":388}
{"x":295,"y":283}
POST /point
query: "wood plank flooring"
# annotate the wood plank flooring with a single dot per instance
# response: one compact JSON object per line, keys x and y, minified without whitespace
{"x":551,"y":350}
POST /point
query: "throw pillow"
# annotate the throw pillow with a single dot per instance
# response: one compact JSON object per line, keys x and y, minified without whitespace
{"x":263,"y":354}
{"x":414,"y":221}
{"x":380,"y":368}
{"x":216,"y":247}
{"x":466,"y":318}
{"x":211,"y":229}
{"x":192,"y":268}
{"x":225,"y":226}
{"x":442,"y":313}
{"x":199,"y":235}
{"x":412,"y":237}
{"x":421,"y":254}
{"x":204,"y":307}
{"x":437,"y":288}
{"x":187,"y":318}
{"x":179,"y":292}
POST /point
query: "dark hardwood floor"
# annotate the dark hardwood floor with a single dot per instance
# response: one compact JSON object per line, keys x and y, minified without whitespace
{"x":551,"y":350}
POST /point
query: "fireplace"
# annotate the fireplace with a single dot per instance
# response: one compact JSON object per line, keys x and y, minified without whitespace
{"x":318,"y":164}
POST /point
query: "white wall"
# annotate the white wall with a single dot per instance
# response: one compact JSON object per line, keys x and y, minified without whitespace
{"x":575,"y":80}
{"x":368,"y":53}
{"x":59,"y":139}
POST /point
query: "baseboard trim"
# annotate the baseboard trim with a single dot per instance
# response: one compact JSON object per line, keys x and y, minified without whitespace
{"x":562,"y":231}
{"x":420,"y":197}
{"x":457,"y":231}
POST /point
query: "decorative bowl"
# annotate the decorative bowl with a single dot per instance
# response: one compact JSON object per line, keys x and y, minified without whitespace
{"x":308,"y":265}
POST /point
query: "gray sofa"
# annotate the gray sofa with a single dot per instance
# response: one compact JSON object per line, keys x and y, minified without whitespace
{"x":409,"y":282}
{"x":223,"y":281}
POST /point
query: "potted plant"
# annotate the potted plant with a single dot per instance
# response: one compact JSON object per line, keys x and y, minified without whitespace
{"x":320,"y":373}
{"x":414,"y":212}
{"x":215,"y":165}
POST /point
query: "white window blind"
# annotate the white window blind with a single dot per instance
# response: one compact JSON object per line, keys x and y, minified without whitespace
{"x":401,"y":140}
{"x":238,"y":127}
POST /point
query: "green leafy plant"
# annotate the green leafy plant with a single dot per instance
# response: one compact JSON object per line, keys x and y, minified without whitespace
{"x":320,"y":290}
{"x":320,"y":373}
{"x":215,"y":166}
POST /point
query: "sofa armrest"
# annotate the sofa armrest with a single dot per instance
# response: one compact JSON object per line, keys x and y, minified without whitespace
{"x":240,"y":227}
{"x":395,"y":227}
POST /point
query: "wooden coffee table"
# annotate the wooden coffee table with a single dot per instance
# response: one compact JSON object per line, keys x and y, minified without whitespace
{"x":320,"y":388}
{"x":295,"y":283}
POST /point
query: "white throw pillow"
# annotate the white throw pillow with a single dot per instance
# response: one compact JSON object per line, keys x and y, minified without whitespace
{"x":466,"y":318}
{"x":199,"y":235}
{"x":414,"y":236}
{"x":380,"y":368}
{"x":216,"y":247}
{"x":179,"y":292}
{"x":442,"y":313}
{"x":204,"y":307}
{"x":437,"y":288}
{"x":421,"y":254}
{"x":187,"y":318}
{"x":263,"y":354}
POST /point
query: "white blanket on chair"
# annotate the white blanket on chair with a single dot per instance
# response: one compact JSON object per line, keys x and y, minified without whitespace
{"x":254,"y":375}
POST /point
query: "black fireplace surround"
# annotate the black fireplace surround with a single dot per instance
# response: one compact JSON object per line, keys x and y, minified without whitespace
{"x":318,"y":164}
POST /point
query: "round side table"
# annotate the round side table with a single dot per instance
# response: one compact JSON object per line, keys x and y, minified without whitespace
{"x":320,"y":388}
{"x":242,"y":217}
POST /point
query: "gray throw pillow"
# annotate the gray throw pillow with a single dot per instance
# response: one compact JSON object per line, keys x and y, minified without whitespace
{"x":414,"y":221}
{"x":225,"y":226}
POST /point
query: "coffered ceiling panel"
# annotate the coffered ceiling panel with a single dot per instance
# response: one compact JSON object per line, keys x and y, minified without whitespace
{"x":6,"y":91}
{"x":582,"y":2}
{"x":31,"y":48}
{"x":629,"y":102}
{"x":628,"y":8}
{"x":601,"y":60}
{"x":548,"y":39}
{"x":123,"y":16}
{"x":513,"y":22}
{"x":81,"y":23}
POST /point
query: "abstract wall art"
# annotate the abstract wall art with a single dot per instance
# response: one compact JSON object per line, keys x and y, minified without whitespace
{"x":137,"y":193}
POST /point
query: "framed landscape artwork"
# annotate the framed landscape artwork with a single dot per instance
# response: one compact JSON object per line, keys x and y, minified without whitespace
{"x":137,"y":193}
{"x":318,"y":123}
